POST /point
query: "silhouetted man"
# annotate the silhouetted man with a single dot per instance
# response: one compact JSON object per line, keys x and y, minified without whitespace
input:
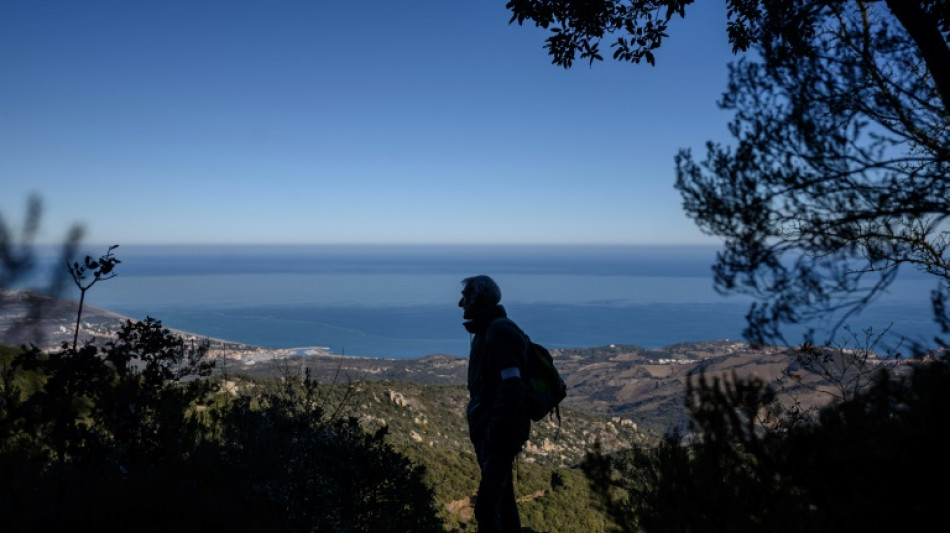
{"x":497,"y":424}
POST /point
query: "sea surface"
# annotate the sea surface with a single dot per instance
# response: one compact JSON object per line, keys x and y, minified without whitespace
{"x":402,"y":301}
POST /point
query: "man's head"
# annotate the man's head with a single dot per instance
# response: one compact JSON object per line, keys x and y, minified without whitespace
{"x":478,"y":292}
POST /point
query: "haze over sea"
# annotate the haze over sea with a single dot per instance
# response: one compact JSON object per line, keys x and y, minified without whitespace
{"x":400,"y":301}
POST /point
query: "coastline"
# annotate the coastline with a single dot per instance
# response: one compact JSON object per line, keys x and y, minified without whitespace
{"x":27,"y":317}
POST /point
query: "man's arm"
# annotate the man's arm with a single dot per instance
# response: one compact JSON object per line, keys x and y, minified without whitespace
{"x":507,"y":344}
{"x":510,"y":373}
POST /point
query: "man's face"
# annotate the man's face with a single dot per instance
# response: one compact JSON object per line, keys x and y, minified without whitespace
{"x":467,"y":302}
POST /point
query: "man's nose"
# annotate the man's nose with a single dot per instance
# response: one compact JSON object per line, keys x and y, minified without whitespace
{"x":462,"y":301}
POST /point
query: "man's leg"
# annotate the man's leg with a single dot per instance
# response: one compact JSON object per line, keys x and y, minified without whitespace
{"x":510,"y":521}
{"x":495,"y":507}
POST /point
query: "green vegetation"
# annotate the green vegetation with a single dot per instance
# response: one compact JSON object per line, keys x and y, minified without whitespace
{"x":864,"y":464}
{"x":151,"y":430}
{"x":426,"y":424}
{"x":135,"y":437}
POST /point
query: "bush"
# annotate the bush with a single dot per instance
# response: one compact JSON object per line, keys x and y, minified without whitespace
{"x":862,"y":465}
{"x":135,"y":437}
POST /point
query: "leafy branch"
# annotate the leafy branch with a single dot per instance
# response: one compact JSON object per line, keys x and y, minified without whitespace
{"x":96,"y":269}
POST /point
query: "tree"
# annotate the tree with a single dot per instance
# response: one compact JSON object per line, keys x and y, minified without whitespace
{"x":735,"y":474}
{"x":840,"y":174}
{"x":311,"y":471}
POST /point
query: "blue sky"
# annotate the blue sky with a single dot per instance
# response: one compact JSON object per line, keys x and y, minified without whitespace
{"x":421,"y":121}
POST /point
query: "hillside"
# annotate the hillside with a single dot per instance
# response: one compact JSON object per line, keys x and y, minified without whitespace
{"x":645,"y":387}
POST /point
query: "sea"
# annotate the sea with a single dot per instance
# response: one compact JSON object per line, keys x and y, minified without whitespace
{"x":401,"y":301}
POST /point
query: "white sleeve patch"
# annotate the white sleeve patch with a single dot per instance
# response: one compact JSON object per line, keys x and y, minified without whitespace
{"x":510,"y":372}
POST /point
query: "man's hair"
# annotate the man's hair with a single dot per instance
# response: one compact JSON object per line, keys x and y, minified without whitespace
{"x":484,"y":289}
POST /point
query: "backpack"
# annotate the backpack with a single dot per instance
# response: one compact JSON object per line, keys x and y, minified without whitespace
{"x":545,"y":386}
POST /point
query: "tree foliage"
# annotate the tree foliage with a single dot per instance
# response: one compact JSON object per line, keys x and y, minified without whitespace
{"x":578,"y":27}
{"x":839,"y":172}
{"x":862,"y":465}
{"x":135,"y":436}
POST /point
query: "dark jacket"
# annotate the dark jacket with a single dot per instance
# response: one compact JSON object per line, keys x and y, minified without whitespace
{"x":496,"y":417}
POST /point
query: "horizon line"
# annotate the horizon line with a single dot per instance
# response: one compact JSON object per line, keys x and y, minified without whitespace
{"x":393,"y":244}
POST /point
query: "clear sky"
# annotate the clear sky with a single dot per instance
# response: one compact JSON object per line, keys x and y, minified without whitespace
{"x":294,"y":121}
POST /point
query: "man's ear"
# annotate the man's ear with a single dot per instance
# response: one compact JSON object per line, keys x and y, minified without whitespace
{"x":480,"y":300}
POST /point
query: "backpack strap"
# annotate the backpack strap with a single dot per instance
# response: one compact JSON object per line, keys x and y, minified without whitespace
{"x":496,"y":323}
